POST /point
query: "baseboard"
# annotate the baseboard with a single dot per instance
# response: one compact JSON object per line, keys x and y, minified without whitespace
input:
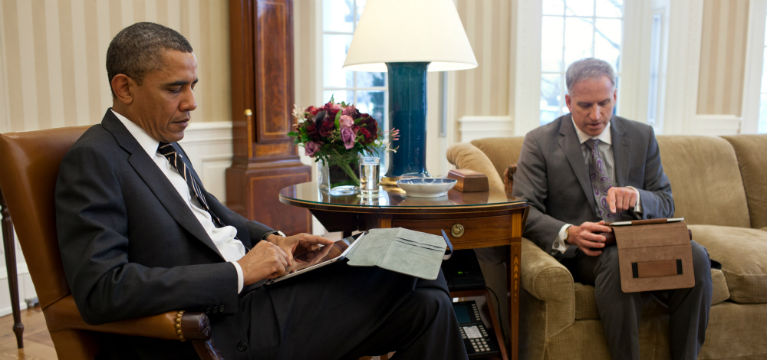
{"x":478,"y":127}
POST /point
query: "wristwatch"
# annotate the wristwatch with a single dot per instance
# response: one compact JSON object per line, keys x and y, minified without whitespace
{"x":276,"y":232}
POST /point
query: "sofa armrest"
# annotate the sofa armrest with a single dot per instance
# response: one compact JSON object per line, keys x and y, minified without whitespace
{"x":467,"y":156}
{"x":547,"y":280}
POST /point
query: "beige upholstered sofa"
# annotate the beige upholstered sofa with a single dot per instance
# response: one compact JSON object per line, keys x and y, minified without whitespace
{"x":719,"y":186}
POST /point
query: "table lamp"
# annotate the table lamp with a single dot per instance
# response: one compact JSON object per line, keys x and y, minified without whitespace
{"x":409,"y":38}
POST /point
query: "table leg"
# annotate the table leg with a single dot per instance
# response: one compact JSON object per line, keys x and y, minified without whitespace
{"x":10,"y":266}
{"x":514,"y":298}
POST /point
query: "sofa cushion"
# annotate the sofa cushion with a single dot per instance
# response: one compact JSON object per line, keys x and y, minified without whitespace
{"x":741,"y":251}
{"x":705,"y":178}
{"x":750,"y":150}
{"x":587,"y":309}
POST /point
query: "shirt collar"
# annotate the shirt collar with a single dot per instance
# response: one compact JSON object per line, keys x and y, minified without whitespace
{"x":605,"y":136}
{"x":148,"y":143}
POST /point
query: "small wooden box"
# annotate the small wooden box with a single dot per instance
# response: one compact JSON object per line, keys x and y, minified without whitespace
{"x":469,"y":180}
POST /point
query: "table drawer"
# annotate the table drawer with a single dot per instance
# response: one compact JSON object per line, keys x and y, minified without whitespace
{"x":468,"y":232}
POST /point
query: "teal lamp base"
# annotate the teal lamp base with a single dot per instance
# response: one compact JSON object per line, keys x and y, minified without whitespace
{"x":408,"y":113}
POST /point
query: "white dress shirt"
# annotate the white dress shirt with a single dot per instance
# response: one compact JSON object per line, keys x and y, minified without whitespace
{"x":223,"y":238}
{"x":605,"y":147}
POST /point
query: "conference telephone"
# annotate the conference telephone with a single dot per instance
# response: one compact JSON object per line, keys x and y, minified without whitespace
{"x":478,"y":340}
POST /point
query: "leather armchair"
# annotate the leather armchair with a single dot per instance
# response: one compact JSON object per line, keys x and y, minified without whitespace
{"x":30,"y":163}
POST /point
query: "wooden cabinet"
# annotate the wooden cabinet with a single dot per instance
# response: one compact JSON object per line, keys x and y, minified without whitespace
{"x":264,"y":157}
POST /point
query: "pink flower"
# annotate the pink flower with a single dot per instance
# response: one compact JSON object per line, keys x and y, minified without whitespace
{"x":351,"y":111}
{"x":348,"y":137}
{"x":311,"y":148}
{"x":346,"y":121}
{"x":395,"y":134}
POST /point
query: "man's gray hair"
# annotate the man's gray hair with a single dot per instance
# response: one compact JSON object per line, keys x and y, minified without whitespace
{"x":138,"y":49}
{"x":589,"y":68}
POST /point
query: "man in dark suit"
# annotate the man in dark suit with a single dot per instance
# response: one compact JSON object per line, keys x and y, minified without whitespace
{"x":139,"y":235}
{"x":588,"y":168}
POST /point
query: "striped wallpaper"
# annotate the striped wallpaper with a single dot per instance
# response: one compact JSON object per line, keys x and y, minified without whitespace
{"x":484,"y":90}
{"x":52,"y":56}
{"x":723,"y":52}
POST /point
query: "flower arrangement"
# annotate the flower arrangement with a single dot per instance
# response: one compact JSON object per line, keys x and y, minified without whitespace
{"x":336,"y":133}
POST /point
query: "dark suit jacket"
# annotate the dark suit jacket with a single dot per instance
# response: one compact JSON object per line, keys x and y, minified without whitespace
{"x":554,"y":179}
{"x":130,"y":246}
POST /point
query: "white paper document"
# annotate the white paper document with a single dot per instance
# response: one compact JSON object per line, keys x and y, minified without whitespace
{"x":400,"y":250}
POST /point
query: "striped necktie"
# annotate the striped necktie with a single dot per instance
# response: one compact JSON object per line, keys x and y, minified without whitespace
{"x":601,"y":181}
{"x":177,"y":161}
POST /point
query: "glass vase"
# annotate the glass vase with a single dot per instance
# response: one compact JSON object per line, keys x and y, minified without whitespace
{"x":339,"y":178}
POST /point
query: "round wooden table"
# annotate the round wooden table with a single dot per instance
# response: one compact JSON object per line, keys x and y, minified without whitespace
{"x":471,"y":220}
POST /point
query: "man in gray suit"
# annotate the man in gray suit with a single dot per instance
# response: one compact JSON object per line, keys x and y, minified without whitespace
{"x":586,"y":169}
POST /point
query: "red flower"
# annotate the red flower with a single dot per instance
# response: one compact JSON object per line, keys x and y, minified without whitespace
{"x":326,"y":127}
{"x":331,"y":109}
{"x":367,"y":135}
{"x":368,"y":127}
{"x":312,"y":110}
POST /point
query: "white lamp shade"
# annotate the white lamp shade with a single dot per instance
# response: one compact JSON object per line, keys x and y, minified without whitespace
{"x":410,"y":31}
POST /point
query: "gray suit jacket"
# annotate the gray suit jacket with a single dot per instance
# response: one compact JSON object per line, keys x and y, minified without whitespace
{"x":554,"y":179}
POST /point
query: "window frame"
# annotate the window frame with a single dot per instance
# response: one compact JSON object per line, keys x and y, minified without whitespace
{"x":354,"y":89}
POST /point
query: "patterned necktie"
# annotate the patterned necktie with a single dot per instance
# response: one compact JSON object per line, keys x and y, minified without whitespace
{"x":601,"y":181}
{"x":178,"y":163}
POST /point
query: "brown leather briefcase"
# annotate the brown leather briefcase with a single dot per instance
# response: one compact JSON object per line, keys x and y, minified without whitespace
{"x":654,"y":255}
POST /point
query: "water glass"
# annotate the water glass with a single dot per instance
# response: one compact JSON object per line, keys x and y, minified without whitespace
{"x":369,"y":175}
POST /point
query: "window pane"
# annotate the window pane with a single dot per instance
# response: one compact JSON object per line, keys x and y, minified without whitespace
{"x":552,"y":7}
{"x":338,"y":96}
{"x":762,"y":123}
{"x":551,"y":43}
{"x":370,"y":79}
{"x":551,"y":97}
{"x":608,"y":41}
{"x":578,"y":39}
{"x":337,"y":15}
{"x":761,"y":126}
{"x":579,"y":7}
{"x":360,"y":7}
{"x":334,"y":52}
{"x":609,"y":8}
{"x":372,"y":102}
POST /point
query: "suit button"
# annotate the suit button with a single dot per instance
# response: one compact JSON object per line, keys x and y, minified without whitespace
{"x":242,"y":346}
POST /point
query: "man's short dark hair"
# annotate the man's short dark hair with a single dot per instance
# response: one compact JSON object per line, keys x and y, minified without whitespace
{"x":138,"y":49}
{"x":588,"y":69}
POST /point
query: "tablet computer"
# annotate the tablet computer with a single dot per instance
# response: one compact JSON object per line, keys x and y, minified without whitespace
{"x":338,"y":253}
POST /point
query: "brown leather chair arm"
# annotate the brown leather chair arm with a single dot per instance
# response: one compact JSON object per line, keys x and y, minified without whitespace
{"x":508,"y":178}
{"x":172,"y":325}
